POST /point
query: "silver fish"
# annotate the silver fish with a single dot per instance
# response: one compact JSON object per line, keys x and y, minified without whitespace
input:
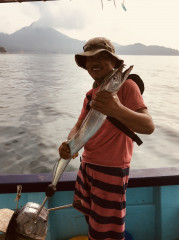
{"x":93,"y":120}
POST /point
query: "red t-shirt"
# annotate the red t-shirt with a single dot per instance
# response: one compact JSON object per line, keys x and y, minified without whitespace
{"x":109,"y":146}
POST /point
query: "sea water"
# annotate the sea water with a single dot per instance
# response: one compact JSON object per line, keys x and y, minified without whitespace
{"x":41,"y":96}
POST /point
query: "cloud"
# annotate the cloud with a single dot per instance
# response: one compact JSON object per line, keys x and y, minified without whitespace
{"x":81,"y":19}
{"x":76,"y":15}
{"x":61,"y":15}
{"x":14,"y":16}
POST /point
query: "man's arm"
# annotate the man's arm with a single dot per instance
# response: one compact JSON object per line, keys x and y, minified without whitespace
{"x":64,"y":150}
{"x":139,"y":121}
{"x":110,"y":105}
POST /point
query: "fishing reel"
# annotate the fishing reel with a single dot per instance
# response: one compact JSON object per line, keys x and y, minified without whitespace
{"x":29,"y":222}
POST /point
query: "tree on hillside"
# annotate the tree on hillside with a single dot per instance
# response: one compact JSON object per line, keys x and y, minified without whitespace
{"x":2,"y":50}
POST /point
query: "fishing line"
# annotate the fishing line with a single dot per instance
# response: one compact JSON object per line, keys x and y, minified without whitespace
{"x":102,"y":3}
{"x":123,"y":5}
{"x":108,"y":0}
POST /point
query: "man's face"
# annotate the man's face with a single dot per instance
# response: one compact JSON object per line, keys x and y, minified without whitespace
{"x":99,"y":66}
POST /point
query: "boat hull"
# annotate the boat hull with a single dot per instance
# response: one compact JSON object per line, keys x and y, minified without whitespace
{"x":152,"y":203}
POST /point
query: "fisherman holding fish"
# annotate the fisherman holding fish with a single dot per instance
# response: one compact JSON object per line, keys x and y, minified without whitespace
{"x":103,"y":175}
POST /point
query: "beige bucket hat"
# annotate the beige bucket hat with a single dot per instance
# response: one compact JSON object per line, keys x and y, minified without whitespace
{"x":94,"y":46}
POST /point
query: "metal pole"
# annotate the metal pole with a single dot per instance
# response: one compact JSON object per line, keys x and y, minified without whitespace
{"x":61,"y":207}
{"x":40,"y":209}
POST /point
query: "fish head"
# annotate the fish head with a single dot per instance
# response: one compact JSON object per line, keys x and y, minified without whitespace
{"x":126,"y":73}
{"x":115,"y":79}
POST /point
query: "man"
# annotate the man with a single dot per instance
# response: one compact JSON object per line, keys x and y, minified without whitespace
{"x":103,"y":175}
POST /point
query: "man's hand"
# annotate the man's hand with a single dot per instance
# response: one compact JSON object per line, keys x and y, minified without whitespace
{"x":64,"y":151}
{"x":106,"y":103}
{"x":109,"y":104}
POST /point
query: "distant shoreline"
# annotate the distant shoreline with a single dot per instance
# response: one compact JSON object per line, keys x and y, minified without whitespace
{"x":164,"y":55}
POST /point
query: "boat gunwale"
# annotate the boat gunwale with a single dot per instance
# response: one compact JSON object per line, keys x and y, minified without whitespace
{"x":39,"y":182}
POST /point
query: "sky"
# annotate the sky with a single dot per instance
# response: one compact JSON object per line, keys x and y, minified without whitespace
{"x":150,"y":22}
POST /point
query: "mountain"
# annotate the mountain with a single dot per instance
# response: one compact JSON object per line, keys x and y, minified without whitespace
{"x":141,"y":49}
{"x":40,"y":40}
{"x":35,"y":39}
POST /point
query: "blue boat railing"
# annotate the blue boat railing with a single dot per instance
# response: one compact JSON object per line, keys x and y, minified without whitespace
{"x":39,"y":182}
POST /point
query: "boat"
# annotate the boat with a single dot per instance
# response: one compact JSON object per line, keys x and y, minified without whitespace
{"x":152,"y":203}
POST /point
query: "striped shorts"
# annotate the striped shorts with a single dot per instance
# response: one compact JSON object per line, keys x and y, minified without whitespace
{"x":101,"y":191}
